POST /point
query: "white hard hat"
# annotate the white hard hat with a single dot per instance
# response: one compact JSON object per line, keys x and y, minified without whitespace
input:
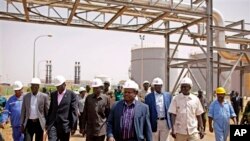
{"x":35,"y":81}
{"x":82,"y":89}
{"x":17,"y":85}
{"x":59,"y":80}
{"x":157,"y":81}
{"x":130,"y":84}
{"x":187,"y":80}
{"x":96,"y":83}
{"x":145,"y":82}
{"x":76,"y":92}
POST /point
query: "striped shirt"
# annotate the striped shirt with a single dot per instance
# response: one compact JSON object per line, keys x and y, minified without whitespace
{"x":127,"y":121}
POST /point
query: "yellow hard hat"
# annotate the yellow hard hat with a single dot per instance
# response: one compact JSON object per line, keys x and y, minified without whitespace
{"x":220,"y":90}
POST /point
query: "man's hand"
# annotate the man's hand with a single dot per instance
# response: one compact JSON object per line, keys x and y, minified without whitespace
{"x":73,"y":132}
{"x":111,"y":139}
{"x":173,"y":134}
{"x":22,"y":129}
{"x":201,"y":133}
{"x":83,"y":132}
{"x":2,"y":125}
{"x":211,"y":129}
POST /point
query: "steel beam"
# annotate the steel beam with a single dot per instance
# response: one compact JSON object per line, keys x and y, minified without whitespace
{"x":247,"y":32}
{"x":152,"y":22}
{"x":235,"y":65}
{"x":186,"y":26}
{"x":189,"y":62}
{"x":195,"y":80}
{"x":176,"y":47}
{"x":119,"y":13}
{"x":26,"y":11}
{"x":234,"y":24}
{"x":73,"y":11}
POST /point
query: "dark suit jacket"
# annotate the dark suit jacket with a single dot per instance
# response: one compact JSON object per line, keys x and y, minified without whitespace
{"x":150,"y":101}
{"x":64,"y":114}
{"x":141,"y":122}
{"x":237,"y":104}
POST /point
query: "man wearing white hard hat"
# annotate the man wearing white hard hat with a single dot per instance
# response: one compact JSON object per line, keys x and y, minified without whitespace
{"x":129,"y":118}
{"x":145,"y":90}
{"x":13,"y":110}
{"x":81,"y":102}
{"x":186,"y":111}
{"x":34,"y":111}
{"x":158,"y":102}
{"x":62,"y":114}
{"x":108,"y":92}
{"x":95,"y":113}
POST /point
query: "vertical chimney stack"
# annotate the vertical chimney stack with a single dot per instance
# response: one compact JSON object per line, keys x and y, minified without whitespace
{"x":50,"y":72}
{"x":77,"y":73}
{"x":48,"y":75}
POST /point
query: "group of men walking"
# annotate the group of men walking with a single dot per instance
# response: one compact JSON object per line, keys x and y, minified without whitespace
{"x":35,"y":114}
{"x":150,"y":114}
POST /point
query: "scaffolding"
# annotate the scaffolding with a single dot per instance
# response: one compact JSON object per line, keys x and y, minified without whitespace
{"x":193,"y":20}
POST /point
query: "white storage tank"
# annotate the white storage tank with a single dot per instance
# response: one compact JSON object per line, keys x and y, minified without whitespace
{"x":150,"y":61}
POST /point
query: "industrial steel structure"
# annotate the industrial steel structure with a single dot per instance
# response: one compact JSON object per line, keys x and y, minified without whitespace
{"x":150,"y":17}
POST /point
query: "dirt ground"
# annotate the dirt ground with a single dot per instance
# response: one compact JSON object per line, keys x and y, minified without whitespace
{"x":208,"y":137}
{"x":77,"y":137}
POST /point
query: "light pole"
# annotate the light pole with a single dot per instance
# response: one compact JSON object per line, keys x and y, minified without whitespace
{"x":142,"y":37}
{"x":34,"y":51}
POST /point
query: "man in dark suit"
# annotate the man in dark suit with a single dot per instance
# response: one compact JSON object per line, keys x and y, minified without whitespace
{"x":237,"y":103}
{"x":34,"y":111}
{"x":159,"y":103}
{"x":62,"y":113}
{"x":129,"y":118}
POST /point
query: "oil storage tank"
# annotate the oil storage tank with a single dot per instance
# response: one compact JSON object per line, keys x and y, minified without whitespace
{"x":148,"y":63}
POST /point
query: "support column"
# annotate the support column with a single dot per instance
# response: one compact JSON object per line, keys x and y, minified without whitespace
{"x":218,"y":70}
{"x":167,"y":55}
{"x":209,"y":71}
{"x":242,"y":71}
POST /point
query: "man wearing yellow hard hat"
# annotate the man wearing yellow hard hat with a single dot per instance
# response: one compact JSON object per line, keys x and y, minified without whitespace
{"x":220,"y":112}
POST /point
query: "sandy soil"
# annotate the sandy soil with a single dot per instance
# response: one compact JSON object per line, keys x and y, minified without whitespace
{"x":77,"y":137}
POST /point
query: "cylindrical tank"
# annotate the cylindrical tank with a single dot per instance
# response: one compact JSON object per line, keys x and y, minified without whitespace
{"x":148,"y":63}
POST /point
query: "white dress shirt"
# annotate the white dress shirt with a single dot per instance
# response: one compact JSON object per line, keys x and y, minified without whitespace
{"x":33,"y":107}
{"x":81,"y":103}
{"x":159,"y":100}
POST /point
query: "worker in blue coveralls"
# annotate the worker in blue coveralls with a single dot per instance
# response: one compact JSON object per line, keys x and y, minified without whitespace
{"x":13,"y":110}
{"x":3,"y":101}
{"x":220,"y":112}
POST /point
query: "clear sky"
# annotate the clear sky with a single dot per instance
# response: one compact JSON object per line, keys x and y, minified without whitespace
{"x":98,"y":51}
